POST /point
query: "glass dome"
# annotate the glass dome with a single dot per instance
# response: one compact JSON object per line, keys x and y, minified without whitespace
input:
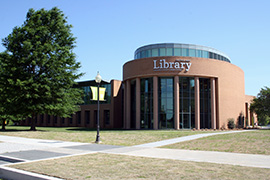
{"x":177,"y":49}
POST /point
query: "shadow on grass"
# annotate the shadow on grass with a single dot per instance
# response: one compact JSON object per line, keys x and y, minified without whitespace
{"x":80,"y":129}
{"x":54,"y":129}
{"x":38,"y":129}
{"x":115,"y":129}
{"x":93,"y":129}
{"x":20,"y":129}
{"x":14,"y":130}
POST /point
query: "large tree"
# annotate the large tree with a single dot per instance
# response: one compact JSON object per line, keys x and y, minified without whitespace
{"x":261,"y":105}
{"x":39,"y":67}
{"x":4,"y":100}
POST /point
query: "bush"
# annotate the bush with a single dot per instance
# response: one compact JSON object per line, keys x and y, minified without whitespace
{"x":231,"y":124}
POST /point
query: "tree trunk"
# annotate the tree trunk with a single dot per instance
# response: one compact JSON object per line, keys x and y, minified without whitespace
{"x":3,"y":125}
{"x":33,"y":123}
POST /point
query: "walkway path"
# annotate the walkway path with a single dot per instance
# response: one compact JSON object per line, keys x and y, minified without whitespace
{"x":249,"y":160}
{"x":186,"y":138}
{"x":17,"y":149}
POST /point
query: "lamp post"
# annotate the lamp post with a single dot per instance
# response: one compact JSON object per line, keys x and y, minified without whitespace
{"x":98,"y":80}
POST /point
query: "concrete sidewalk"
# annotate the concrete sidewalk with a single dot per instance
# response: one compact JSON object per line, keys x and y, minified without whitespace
{"x":20,"y":149}
{"x":249,"y":160}
{"x":186,"y":138}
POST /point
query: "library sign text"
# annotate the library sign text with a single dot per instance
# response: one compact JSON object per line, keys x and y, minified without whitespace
{"x":177,"y":65}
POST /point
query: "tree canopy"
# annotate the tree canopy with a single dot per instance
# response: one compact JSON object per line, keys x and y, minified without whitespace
{"x":261,"y":105}
{"x":39,"y":68}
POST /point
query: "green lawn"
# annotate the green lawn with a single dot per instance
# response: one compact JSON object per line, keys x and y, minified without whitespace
{"x":251,"y":142}
{"x":107,"y":166}
{"x":112,"y":137}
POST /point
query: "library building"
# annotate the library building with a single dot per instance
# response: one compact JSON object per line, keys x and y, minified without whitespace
{"x":167,"y":86}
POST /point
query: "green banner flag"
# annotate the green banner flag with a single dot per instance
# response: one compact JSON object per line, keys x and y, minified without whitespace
{"x":102,"y":91}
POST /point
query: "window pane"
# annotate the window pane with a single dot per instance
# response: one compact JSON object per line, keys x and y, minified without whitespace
{"x":63,"y":120}
{"x":192,"y":53}
{"x":198,"y":53}
{"x":215,"y":56}
{"x":78,"y":117}
{"x":211,"y":55}
{"x":184,"y":52}
{"x":163,"y":104}
{"x":187,"y":104}
{"x":154,"y":52}
{"x":186,"y":121}
{"x":177,"y":52}
{"x":148,"y":53}
{"x":166,"y":102}
{"x":162,"y":52}
{"x":170,"y":120}
{"x":107,"y":117}
{"x":138,"y":55}
{"x":169,"y":102}
{"x":205,"y":54}
{"x":143,"y":54}
{"x":87,"y":117}
{"x":169,"y":51}
{"x":192,"y":84}
{"x":146,"y":103}
{"x":170,"y":85}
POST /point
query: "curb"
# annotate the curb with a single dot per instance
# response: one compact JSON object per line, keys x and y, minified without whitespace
{"x":13,"y":174}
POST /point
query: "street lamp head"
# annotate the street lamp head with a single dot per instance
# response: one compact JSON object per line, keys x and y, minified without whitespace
{"x":98,"y":78}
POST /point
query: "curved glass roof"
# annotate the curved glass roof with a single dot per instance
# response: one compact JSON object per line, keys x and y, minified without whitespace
{"x":177,"y":49}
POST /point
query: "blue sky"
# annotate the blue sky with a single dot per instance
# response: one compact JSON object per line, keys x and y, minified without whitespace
{"x":109,"y":31}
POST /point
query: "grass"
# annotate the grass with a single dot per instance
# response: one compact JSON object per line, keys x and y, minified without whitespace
{"x":112,"y":137}
{"x":106,"y":166}
{"x":250,"y":142}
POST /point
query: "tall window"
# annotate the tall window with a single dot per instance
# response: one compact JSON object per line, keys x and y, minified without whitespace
{"x":133,"y":104}
{"x":63,"y":120}
{"x":48,"y":119}
{"x":87,"y":117}
{"x":70,"y":119}
{"x":205,"y":103}
{"x":78,"y":117}
{"x":95,"y":117}
{"x":166,"y":104}
{"x":187,"y":105}
{"x":42,"y":118}
{"x":107,"y":117}
{"x":146,"y":103}
{"x":55,"y":119}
